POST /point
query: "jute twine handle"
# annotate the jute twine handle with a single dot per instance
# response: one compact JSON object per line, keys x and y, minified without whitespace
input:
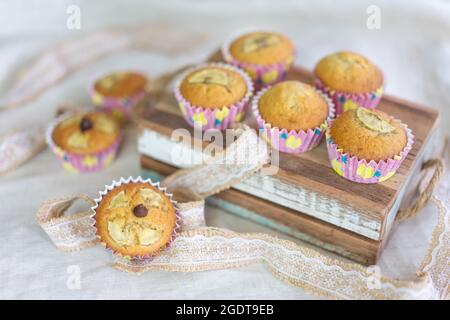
{"x":424,"y":196}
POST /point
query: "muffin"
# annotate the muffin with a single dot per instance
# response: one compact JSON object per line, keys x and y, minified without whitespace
{"x":350,"y":79}
{"x":292,"y":115}
{"x":366,"y":145}
{"x":213,"y":96}
{"x":135,"y":218}
{"x":85,"y":141}
{"x":119,"y":92}
{"x":265,"y":56}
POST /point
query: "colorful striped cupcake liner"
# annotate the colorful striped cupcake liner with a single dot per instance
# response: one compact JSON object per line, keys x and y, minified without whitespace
{"x":344,"y":101}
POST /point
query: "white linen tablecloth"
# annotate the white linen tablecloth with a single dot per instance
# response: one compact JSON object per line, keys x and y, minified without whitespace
{"x":412,"y":47}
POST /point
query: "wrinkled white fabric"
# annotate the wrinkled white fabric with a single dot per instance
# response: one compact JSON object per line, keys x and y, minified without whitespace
{"x":412,"y":47}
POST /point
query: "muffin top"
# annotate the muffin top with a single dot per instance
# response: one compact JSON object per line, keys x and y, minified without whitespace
{"x":262,"y":48}
{"x":293,"y":105}
{"x":121,"y":84}
{"x":368,"y":134}
{"x":213,"y":87}
{"x":86,"y":133}
{"x":135,"y":219}
{"x":348,"y":72}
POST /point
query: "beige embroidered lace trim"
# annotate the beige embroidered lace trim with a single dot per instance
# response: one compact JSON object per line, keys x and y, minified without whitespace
{"x":49,"y":69}
{"x":18,"y":147}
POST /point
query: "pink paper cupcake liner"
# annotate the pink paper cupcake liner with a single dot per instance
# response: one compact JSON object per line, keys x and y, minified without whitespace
{"x":119,"y":107}
{"x":219,"y":118}
{"x":76,"y":163}
{"x":293,"y":141}
{"x":139,"y":179}
{"x":262,"y":75}
{"x":361,"y":170}
{"x":344,"y":101}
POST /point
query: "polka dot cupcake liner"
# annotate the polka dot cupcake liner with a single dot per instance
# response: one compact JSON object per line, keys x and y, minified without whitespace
{"x":123,"y":181}
{"x":262,"y":75}
{"x":77,"y":163}
{"x":361,"y":170}
{"x":218,"y":118}
{"x":344,"y":101}
{"x":120,"y":107}
{"x":291,"y":141}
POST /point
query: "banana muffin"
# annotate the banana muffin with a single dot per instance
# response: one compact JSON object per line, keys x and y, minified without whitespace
{"x":262,"y":48}
{"x":293,"y":105}
{"x":121,"y":84}
{"x":86,"y":133}
{"x":350,"y":80}
{"x":119,"y":93}
{"x":214,"y":95}
{"x":349,"y":72}
{"x":368,"y":134}
{"x":265,"y":56}
{"x":135,"y":220}
{"x":213,"y":87}
{"x":84,"y":141}
{"x":292,"y":116}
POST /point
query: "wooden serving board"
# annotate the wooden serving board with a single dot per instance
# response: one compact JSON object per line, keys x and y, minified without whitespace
{"x":306,"y":194}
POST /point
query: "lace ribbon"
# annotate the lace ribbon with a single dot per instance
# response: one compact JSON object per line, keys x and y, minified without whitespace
{"x":56,"y":63}
{"x":199,"y":248}
{"x":20,"y":146}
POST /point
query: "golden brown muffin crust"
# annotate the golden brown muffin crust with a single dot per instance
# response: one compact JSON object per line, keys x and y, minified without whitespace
{"x":262,"y":48}
{"x":368,"y":134}
{"x":124,"y":232}
{"x":213,"y":87}
{"x":121,"y":84}
{"x":293,"y":105}
{"x":69,"y":136}
{"x":348,"y":72}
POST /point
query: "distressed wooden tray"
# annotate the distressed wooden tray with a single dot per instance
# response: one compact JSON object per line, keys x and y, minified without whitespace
{"x":305,"y":198}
